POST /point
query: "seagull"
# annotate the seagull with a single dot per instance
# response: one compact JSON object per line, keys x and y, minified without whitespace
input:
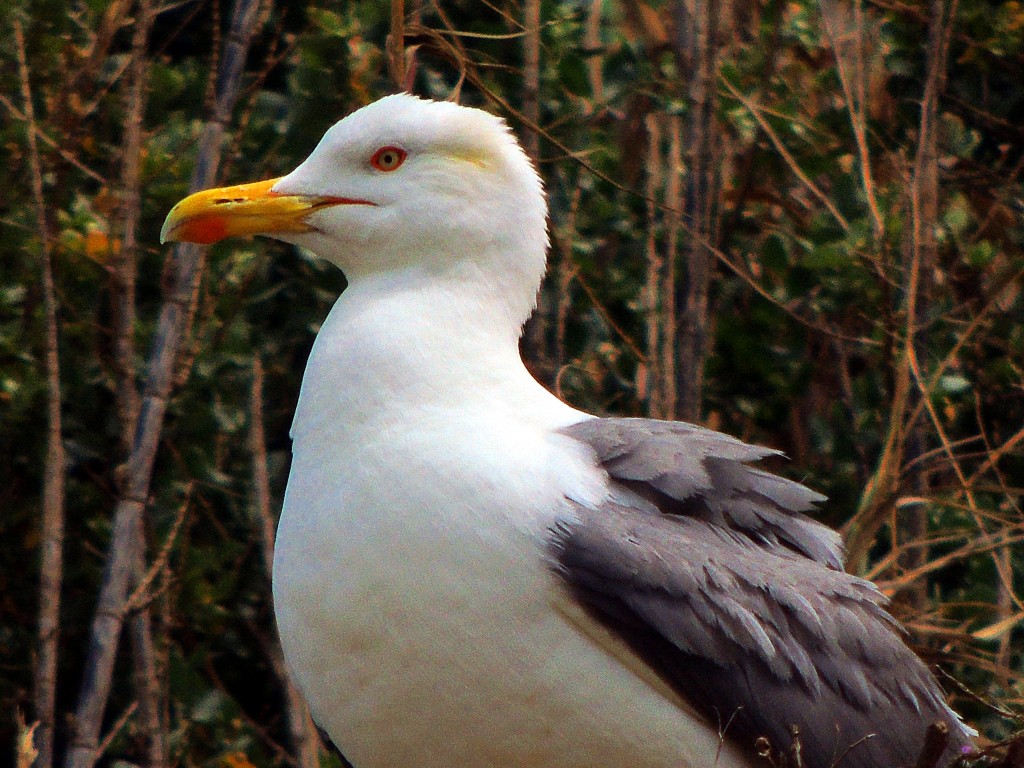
{"x":471,"y":573}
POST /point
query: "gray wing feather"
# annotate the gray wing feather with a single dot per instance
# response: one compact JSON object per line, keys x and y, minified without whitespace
{"x":739,"y":600}
{"x":689,"y":470}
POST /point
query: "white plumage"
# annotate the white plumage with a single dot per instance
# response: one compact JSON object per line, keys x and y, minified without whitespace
{"x":410,"y":586}
{"x":445,"y":591}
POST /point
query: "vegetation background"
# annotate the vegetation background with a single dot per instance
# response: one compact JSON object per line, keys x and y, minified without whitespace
{"x":799,"y":222}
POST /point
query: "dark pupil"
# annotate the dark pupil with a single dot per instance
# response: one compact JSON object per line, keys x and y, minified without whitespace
{"x":387,"y":158}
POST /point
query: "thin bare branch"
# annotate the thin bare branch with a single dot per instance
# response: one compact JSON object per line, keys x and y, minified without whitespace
{"x":979,"y":545}
{"x":142,"y":589}
{"x":756,"y":112}
{"x":54,"y":146}
{"x":875,"y":502}
{"x":846,"y":36}
{"x":436,"y":42}
{"x":115,"y":729}
{"x":51,"y":572}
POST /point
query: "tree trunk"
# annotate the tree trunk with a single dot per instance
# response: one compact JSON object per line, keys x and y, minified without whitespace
{"x":697,"y":45}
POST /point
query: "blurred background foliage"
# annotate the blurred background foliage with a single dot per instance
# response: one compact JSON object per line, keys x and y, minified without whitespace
{"x":798,"y":222}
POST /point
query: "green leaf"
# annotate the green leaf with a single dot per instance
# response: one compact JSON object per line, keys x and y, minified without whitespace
{"x":572,"y":75}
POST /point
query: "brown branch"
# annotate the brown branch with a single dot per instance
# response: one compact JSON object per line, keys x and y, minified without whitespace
{"x":115,"y":729}
{"x":175,"y":312}
{"x":924,"y":201}
{"x":602,"y":310}
{"x":994,"y":455}
{"x":978,"y":319}
{"x":988,"y":543}
{"x":904,"y":434}
{"x":876,"y":500}
{"x":142,"y":592}
{"x":396,"y":43}
{"x":89,"y":59}
{"x":1005,"y":596}
{"x":657,"y":376}
{"x":1002,"y":569}
{"x":51,"y":571}
{"x":975,"y":544}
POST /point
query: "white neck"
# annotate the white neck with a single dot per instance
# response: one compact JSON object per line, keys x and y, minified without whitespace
{"x":402,"y":344}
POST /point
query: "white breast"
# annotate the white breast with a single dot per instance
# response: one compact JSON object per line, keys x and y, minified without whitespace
{"x":416,"y":606}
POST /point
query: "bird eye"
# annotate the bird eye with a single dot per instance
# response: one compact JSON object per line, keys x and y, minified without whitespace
{"x":388,"y":158}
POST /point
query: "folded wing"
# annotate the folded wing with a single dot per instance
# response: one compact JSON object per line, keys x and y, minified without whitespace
{"x":710,"y":570}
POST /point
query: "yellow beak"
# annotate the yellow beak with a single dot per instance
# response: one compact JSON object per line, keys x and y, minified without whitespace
{"x":246,"y":209}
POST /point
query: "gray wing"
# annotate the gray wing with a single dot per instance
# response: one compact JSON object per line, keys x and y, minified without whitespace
{"x":689,"y":470}
{"x":747,"y":616}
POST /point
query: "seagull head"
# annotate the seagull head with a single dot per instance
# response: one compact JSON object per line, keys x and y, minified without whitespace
{"x":403,"y":186}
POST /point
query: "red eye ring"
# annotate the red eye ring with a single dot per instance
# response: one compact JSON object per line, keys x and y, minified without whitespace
{"x":388,"y":158}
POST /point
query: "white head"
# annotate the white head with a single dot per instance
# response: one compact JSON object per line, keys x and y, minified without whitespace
{"x":404,"y":186}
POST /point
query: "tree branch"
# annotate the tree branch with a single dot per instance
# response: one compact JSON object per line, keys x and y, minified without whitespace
{"x":51,"y":571}
{"x":178,"y":306}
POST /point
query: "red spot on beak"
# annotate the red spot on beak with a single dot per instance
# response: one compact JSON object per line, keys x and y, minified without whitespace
{"x":204,"y":229}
